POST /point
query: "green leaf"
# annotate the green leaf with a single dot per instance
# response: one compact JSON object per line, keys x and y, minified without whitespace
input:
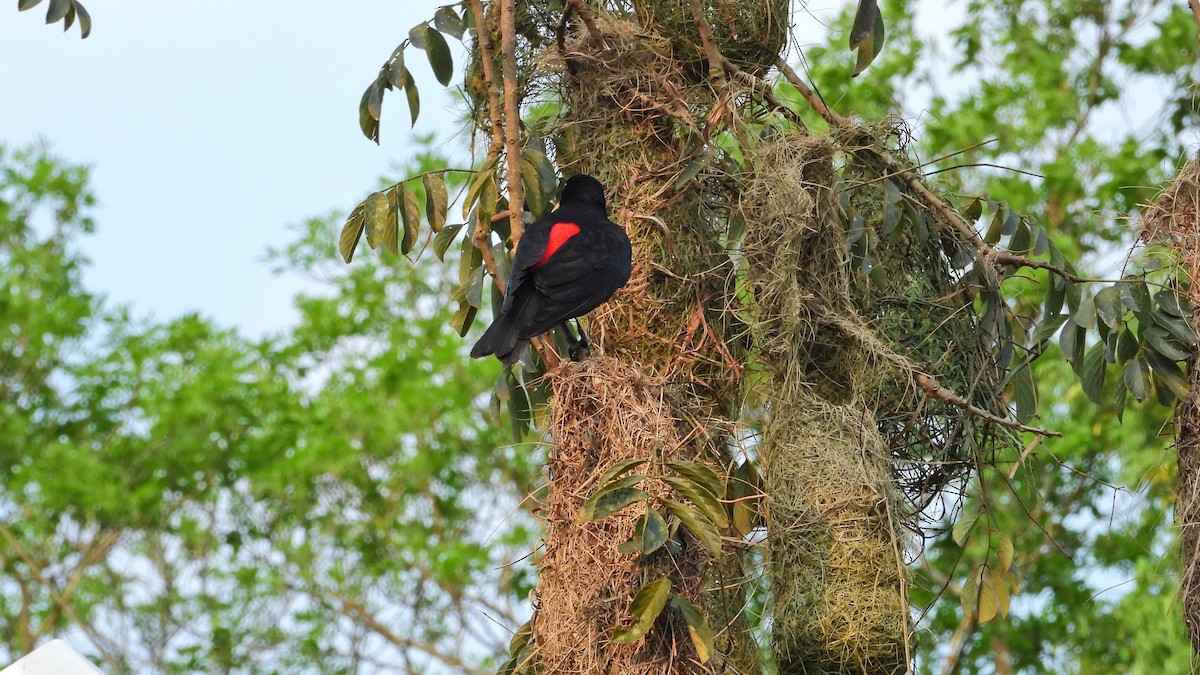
{"x":645,"y":608}
{"x":85,"y":21}
{"x":970,"y":592}
{"x":397,"y":73}
{"x":463,"y":318}
{"x":1025,"y":393}
{"x":996,"y":227}
{"x":437,"y":201}
{"x":444,"y":238}
{"x":698,"y":495}
{"x":1047,"y":327}
{"x":1165,"y":343}
{"x":867,"y":34}
{"x":475,"y":187}
{"x":379,"y":217}
{"x":651,"y":530}
{"x":352,"y":232}
{"x":700,"y":473}
{"x":417,"y":35}
{"x":1091,"y":375}
{"x":1071,"y":342}
{"x":1170,"y":374}
{"x":1127,"y":346}
{"x":447,"y":21}
{"x":700,"y":526}
{"x":414,"y":99}
{"x":390,"y":230}
{"x":609,"y":499}
{"x":1180,"y":328}
{"x":57,"y":10}
{"x":367,"y":122}
{"x":962,"y":528}
{"x":1168,"y":301}
{"x":617,"y":469}
{"x":689,"y":172}
{"x":410,"y":212}
{"x":698,"y":629}
{"x":1137,"y":378}
{"x":23,"y":5}
{"x":891,"y":208}
{"x":1136,"y":297}
{"x":439,"y":57}
{"x":1109,"y":306}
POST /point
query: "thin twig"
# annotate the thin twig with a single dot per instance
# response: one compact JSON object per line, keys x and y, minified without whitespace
{"x":933,"y":389}
{"x":1195,"y":5}
{"x":715,"y":60}
{"x":585,"y":13}
{"x":512,"y":120}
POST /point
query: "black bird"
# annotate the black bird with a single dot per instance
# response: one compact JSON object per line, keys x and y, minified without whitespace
{"x":567,"y":263}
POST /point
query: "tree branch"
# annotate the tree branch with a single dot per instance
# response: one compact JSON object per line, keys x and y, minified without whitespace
{"x":512,"y":120}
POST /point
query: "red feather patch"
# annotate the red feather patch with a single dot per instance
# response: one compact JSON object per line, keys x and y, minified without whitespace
{"x":559,"y":234}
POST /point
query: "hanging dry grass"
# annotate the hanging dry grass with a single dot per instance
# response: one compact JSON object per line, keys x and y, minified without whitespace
{"x":837,"y":573}
{"x":607,"y":411}
{"x":1173,"y":220}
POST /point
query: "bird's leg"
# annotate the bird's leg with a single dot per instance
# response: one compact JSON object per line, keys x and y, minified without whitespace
{"x":579,"y":348}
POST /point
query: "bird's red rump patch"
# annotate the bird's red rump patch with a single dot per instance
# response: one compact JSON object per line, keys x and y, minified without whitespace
{"x":559,"y":234}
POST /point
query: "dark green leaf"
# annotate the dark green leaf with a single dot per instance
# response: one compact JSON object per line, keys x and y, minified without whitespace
{"x":468,"y":261}
{"x":1137,"y":298}
{"x":85,"y":21}
{"x":447,"y":21}
{"x":1091,"y":375}
{"x":1165,"y":343}
{"x":1085,"y":316}
{"x":396,"y":71}
{"x":57,"y":10}
{"x":1126,"y":346}
{"x":617,"y":469}
{"x":699,"y":496}
{"x":1025,"y":393}
{"x":463,"y":318}
{"x":612,"y":497}
{"x":475,"y":187}
{"x":698,"y":629}
{"x":1108,"y":305}
{"x":351,"y":232}
{"x":1168,"y":301}
{"x":996,"y":227}
{"x":689,"y":172}
{"x":891,"y":208}
{"x":414,"y":99}
{"x":368,"y":123}
{"x":743,"y":492}
{"x":651,"y":530}
{"x":1170,"y":374}
{"x":699,"y":473}
{"x":700,"y":526}
{"x":444,"y":238}
{"x":1137,"y":378}
{"x":439,"y":57}
{"x":867,"y":34}
{"x":1047,"y":327}
{"x":410,"y":212}
{"x":23,"y":5}
{"x":1175,"y":326}
{"x":1020,"y":241}
{"x":645,"y":608}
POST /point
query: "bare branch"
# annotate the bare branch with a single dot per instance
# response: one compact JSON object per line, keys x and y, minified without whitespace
{"x":512,"y":119}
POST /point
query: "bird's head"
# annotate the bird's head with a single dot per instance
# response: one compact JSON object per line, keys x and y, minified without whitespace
{"x":583,"y":189}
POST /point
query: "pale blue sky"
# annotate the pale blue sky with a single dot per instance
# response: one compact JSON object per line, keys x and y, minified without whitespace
{"x":210,"y":127}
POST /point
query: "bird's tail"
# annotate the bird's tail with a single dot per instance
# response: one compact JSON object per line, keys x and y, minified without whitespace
{"x":502,"y":338}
